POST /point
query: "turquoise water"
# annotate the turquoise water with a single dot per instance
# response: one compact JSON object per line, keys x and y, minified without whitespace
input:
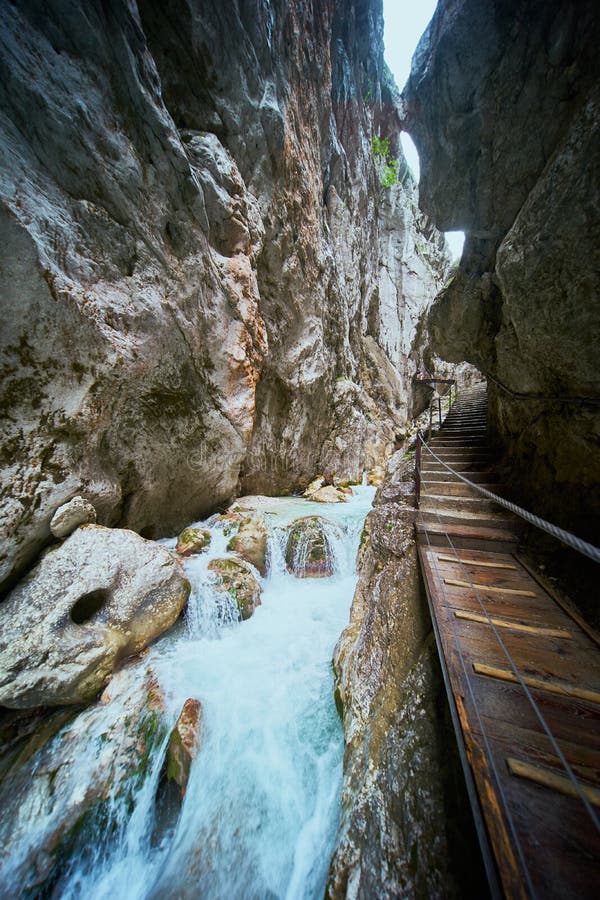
{"x":262,"y":805}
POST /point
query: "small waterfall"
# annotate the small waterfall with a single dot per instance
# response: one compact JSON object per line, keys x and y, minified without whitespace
{"x":261,"y":809}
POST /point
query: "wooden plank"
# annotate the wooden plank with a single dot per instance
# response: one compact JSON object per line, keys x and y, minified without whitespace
{"x":567,"y":607}
{"x":515,"y":626}
{"x":541,"y":838}
{"x":487,"y":587}
{"x":555,"y":687}
{"x":510,"y":722}
{"x":556,"y":781}
{"x":476,"y":562}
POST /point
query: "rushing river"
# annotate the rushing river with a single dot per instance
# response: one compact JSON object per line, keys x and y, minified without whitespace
{"x":262,"y":805}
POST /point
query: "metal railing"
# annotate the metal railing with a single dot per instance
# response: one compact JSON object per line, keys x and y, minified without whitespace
{"x":435,"y":401}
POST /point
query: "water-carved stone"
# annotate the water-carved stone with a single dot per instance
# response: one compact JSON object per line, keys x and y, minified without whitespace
{"x":308,"y":551}
{"x":102,"y":595}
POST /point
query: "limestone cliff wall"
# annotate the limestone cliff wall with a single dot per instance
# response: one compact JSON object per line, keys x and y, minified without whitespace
{"x":503,"y":103}
{"x":203,"y":286}
{"x":405,"y":828}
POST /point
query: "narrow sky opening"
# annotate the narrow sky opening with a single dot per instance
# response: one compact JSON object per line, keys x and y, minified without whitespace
{"x":404,"y":26}
{"x":455,"y":241}
{"x":411,"y":154}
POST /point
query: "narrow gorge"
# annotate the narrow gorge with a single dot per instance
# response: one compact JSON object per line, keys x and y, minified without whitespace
{"x":224,"y":300}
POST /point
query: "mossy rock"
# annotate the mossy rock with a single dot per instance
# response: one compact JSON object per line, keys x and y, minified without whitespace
{"x":308,"y":552}
{"x":192,"y":540}
{"x":184,"y":743}
{"x":236,"y":579}
{"x":251,"y":542}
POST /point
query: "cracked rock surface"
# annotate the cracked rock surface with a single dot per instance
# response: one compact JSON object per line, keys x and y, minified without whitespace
{"x":204,"y":288}
{"x":508,"y":130}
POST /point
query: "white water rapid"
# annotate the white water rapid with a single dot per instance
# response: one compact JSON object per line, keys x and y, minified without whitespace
{"x":262,"y":805}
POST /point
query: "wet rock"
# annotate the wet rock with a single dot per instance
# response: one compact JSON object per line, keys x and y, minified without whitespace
{"x":102,"y":595}
{"x":184,"y":743}
{"x":250,"y":542}
{"x":192,"y":540}
{"x":315,"y":485}
{"x":236,"y":579}
{"x":81,"y":780}
{"x":70,"y":516}
{"x":394,"y":836}
{"x":308,"y":552}
{"x":320,"y":492}
{"x":231,"y":521}
{"x":329,"y":494}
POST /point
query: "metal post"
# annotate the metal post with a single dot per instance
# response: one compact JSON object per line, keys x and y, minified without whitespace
{"x":430,"y":421}
{"x":440,"y":410}
{"x":418,"y":471}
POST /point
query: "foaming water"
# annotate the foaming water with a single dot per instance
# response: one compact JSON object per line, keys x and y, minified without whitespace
{"x":262,"y":804}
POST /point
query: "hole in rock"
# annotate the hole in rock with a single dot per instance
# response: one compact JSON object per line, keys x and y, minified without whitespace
{"x":411,"y":153}
{"x":455,"y":241}
{"x":88,"y":605}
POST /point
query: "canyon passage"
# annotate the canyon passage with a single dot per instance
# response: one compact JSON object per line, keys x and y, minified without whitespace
{"x":250,"y":400}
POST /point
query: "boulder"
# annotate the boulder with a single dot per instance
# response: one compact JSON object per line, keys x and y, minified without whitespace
{"x":70,"y":516}
{"x":231,"y":520}
{"x":308,"y":551}
{"x":315,"y":485}
{"x":102,"y":595}
{"x":184,"y":743}
{"x":330,"y":494}
{"x":251,"y":542}
{"x":236,"y":579}
{"x":321,"y":492}
{"x":192,"y":540}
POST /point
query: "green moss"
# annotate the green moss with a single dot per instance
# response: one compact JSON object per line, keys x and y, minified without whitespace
{"x":339,"y":702}
{"x":152,"y":733}
{"x":390,"y":171}
{"x":175,"y":753}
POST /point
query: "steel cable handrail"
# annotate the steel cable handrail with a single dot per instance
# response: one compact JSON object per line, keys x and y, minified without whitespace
{"x":573,"y":541}
{"x":566,"y":537}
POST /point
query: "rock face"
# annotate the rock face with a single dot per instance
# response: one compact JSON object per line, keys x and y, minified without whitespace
{"x":236,"y":579}
{"x":399,"y":835}
{"x":308,"y":551}
{"x":70,"y":516}
{"x":508,"y":131}
{"x":102,"y":595}
{"x":203,"y":284}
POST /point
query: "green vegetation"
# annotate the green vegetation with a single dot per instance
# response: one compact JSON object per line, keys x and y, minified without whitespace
{"x":390,"y":171}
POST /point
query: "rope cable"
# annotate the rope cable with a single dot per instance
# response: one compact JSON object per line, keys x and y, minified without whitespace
{"x":560,"y":534}
{"x":567,"y":768}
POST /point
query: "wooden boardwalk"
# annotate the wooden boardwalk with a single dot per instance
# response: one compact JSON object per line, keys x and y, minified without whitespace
{"x":522,"y":675}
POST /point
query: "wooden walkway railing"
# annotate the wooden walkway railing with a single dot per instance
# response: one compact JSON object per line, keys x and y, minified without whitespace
{"x":522,"y":676}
